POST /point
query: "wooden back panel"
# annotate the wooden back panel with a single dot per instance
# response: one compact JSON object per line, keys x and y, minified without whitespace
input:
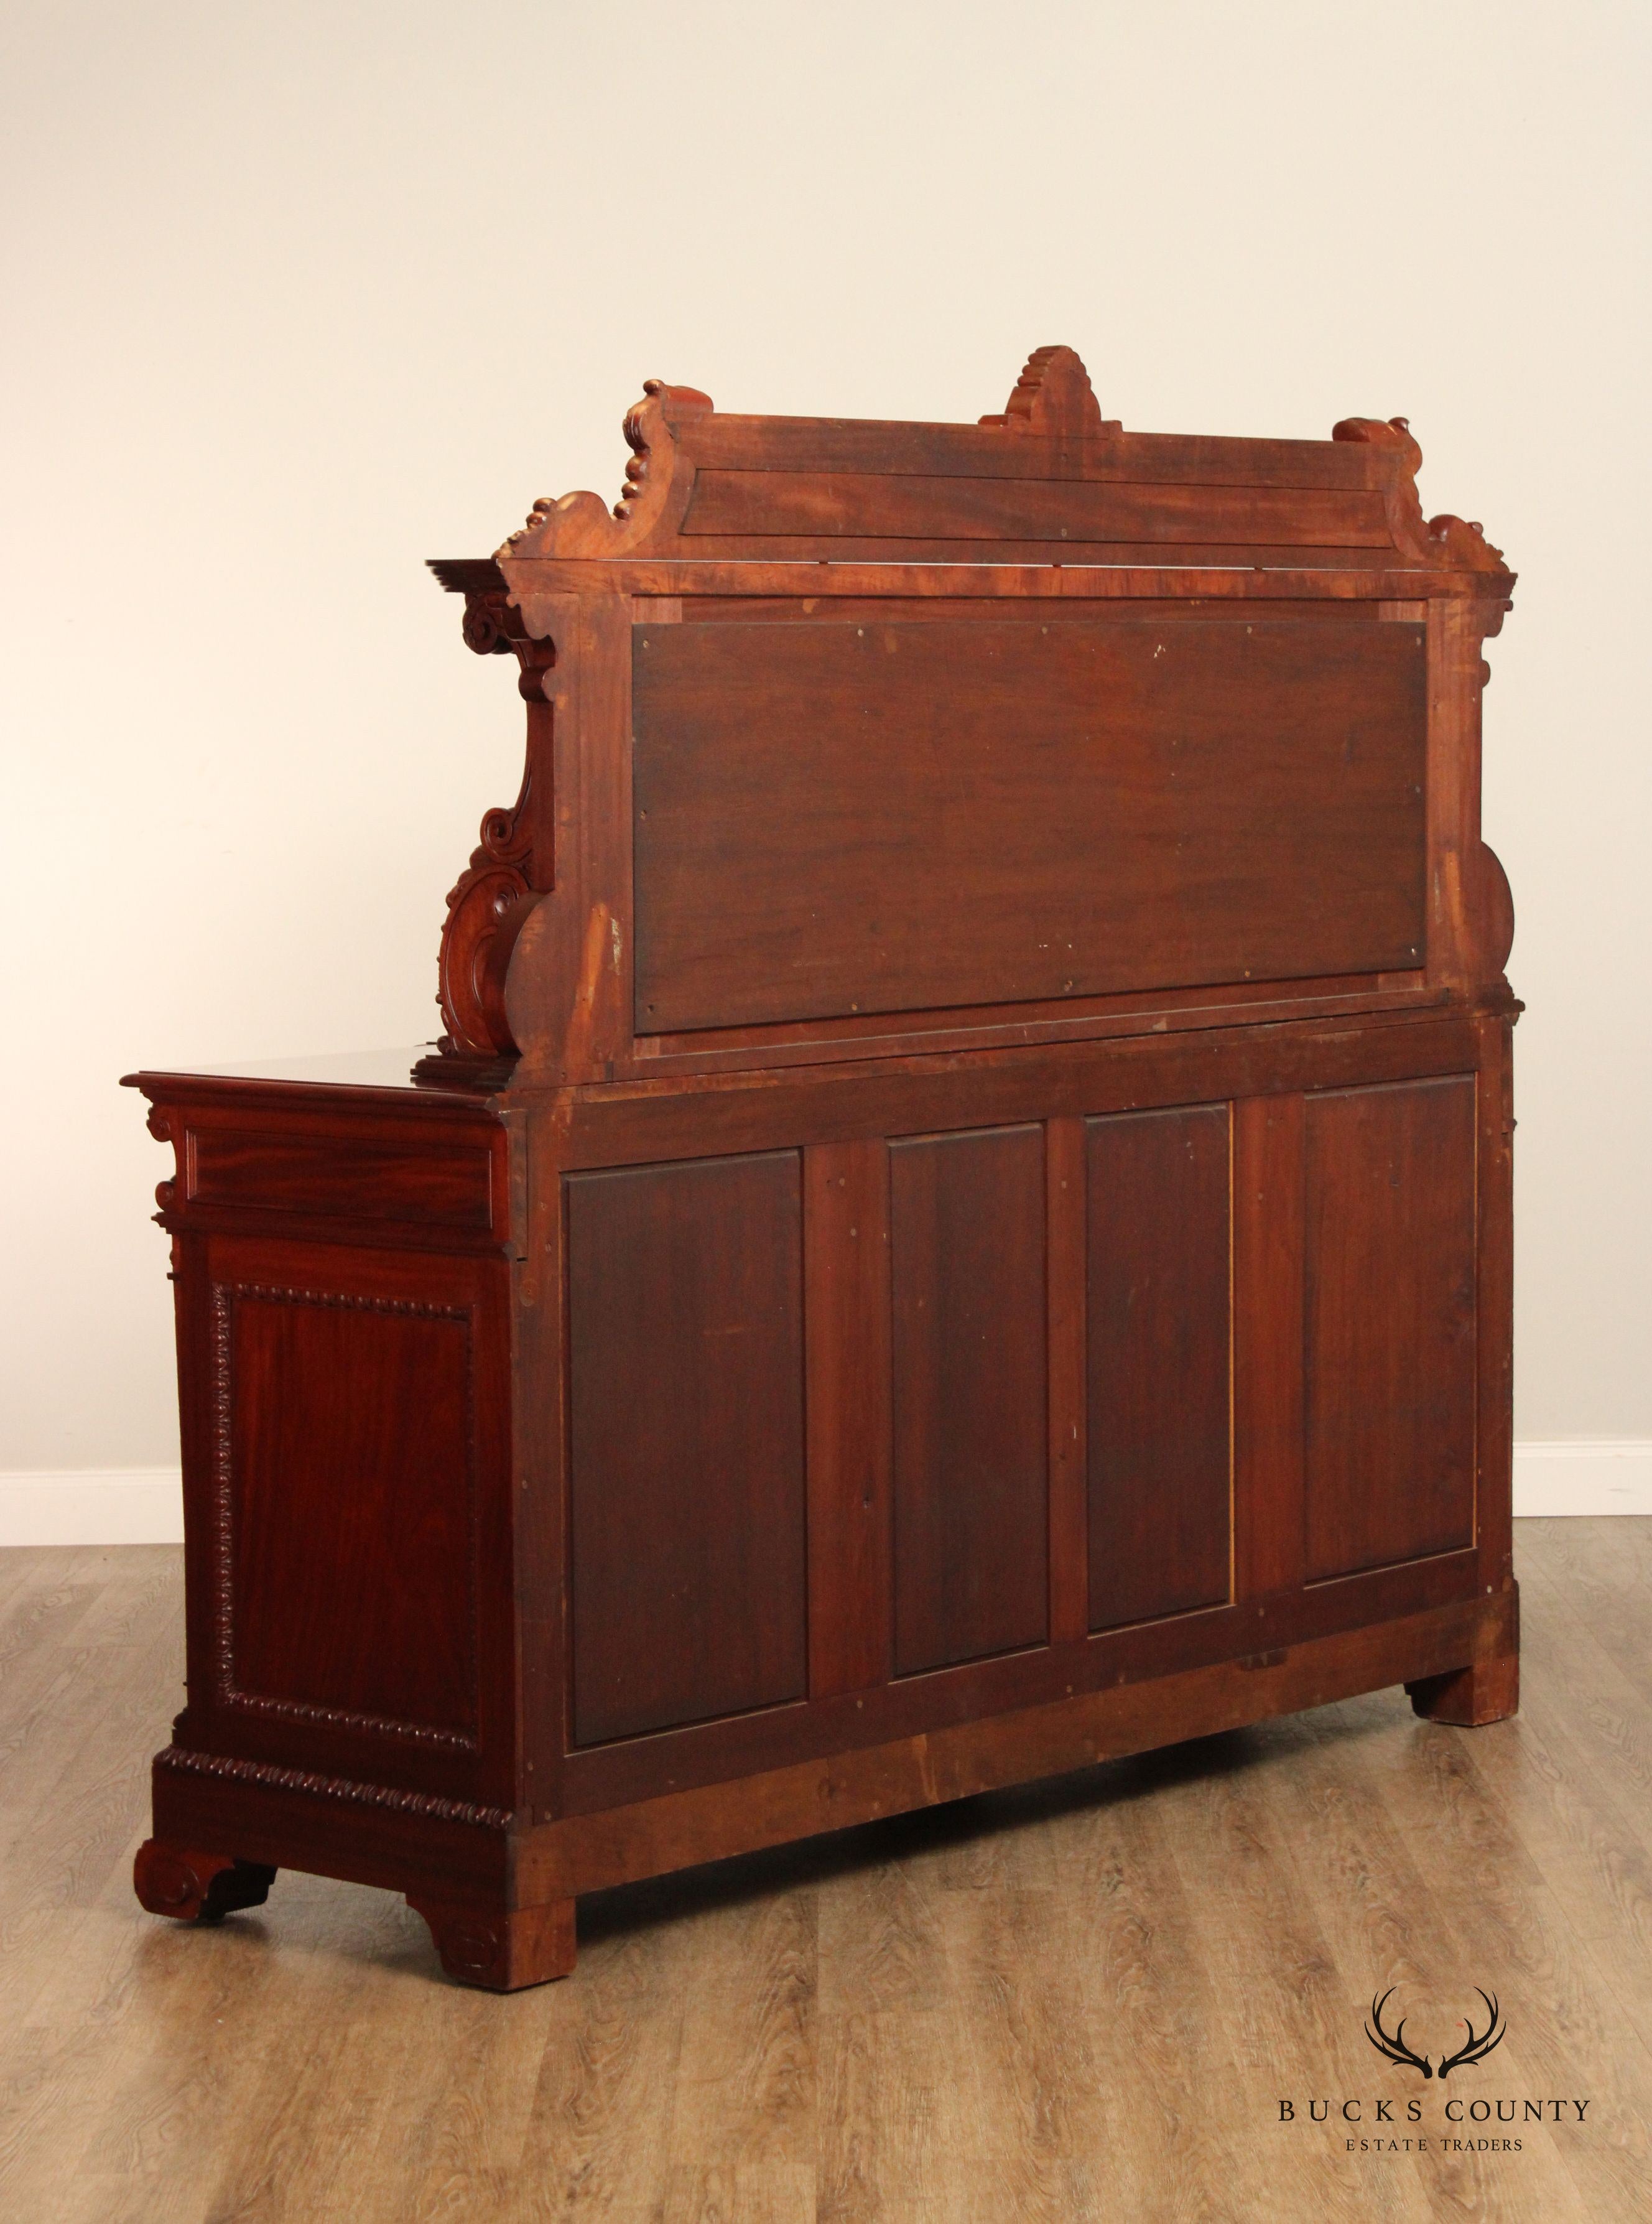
{"x":852,"y":739}
{"x":835,"y":817}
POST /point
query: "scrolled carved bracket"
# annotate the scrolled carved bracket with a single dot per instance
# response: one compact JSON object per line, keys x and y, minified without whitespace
{"x":583,"y":524}
{"x":1446,"y":540}
{"x":160,"y":1125}
{"x":488,"y":904}
{"x":491,"y":625}
{"x":486,"y":908}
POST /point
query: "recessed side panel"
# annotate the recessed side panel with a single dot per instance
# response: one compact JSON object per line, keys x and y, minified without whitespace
{"x":1390,"y":1324}
{"x":685,"y":1358}
{"x":971,"y":1488}
{"x":834,"y":817}
{"x":346,"y":1505}
{"x":1160,"y":1392}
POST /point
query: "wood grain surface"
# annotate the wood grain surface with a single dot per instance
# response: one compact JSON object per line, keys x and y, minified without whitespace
{"x":1076,"y":2000}
{"x":902,"y":817}
{"x":971,"y":1427}
{"x":685,"y":1381}
{"x":1160,"y":1363}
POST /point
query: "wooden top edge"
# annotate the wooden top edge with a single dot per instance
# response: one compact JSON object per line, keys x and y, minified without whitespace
{"x":1100,"y":440}
{"x":1364,"y":478}
{"x":466,"y":575}
{"x":805,"y":576}
{"x":387,"y":1076}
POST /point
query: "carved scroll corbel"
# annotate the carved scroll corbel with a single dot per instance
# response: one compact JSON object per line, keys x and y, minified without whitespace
{"x":655,"y":495}
{"x":1452,"y":542}
{"x":499,"y":887}
{"x":160,"y":1125}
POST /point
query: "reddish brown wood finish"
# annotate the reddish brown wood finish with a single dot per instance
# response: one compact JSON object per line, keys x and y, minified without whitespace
{"x":196,"y":1887}
{"x":685,"y":1374}
{"x":1390,"y":1289}
{"x":961,"y":1221}
{"x":500,"y":1950}
{"x":846,"y":1306}
{"x":967,"y":1238}
{"x":1488,"y":1691}
{"x":1067,"y":1189}
{"x":1058,"y":811}
{"x":1269,"y":1448}
{"x":1160,"y":1364}
{"x":349,"y":1468}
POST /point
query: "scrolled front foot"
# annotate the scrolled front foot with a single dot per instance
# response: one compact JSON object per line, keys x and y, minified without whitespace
{"x":195,"y":1888}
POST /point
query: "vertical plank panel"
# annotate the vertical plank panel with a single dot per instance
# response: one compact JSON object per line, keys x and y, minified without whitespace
{"x":1455,"y":633}
{"x":685,"y":1360}
{"x":971,"y":1410}
{"x":539,"y":1452}
{"x":1069,"y":1509}
{"x":1494,"y":1199}
{"x":1268,"y":1418}
{"x":1160,"y":1363}
{"x":1391,"y":1322}
{"x":846,"y":1318}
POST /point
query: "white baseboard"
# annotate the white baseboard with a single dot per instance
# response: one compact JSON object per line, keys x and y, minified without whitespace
{"x":145,"y":1505}
{"x":92,"y":1506}
{"x":1584,"y":1475}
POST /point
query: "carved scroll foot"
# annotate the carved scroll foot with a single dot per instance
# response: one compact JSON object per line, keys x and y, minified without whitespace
{"x":501,"y":1949}
{"x":196,"y":1887}
{"x":1489,"y":1691}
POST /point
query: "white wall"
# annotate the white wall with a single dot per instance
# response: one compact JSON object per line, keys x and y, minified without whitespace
{"x":301,"y":293}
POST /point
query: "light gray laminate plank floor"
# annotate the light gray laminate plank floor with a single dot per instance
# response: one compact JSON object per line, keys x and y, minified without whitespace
{"x":1086,"y":1999}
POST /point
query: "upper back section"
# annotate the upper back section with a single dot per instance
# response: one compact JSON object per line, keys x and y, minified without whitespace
{"x":851,"y":740}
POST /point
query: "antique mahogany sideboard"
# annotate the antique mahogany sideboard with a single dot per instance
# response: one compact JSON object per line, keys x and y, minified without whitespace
{"x":960,"y":1225}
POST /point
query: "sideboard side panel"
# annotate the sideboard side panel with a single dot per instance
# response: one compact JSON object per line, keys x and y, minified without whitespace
{"x":352,"y":1476}
{"x":347,"y":1507}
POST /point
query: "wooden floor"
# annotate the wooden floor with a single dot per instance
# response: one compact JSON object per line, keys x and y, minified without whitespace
{"x":1085,"y":2000}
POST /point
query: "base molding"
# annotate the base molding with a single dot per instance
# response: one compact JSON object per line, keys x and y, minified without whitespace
{"x":621,"y":1845}
{"x":500,"y":1899}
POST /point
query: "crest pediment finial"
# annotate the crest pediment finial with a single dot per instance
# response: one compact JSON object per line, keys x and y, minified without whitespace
{"x":1054,"y":397}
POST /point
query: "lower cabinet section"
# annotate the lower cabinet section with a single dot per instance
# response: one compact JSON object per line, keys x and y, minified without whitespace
{"x":812,"y":1397}
{"x":757,"y":1471}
